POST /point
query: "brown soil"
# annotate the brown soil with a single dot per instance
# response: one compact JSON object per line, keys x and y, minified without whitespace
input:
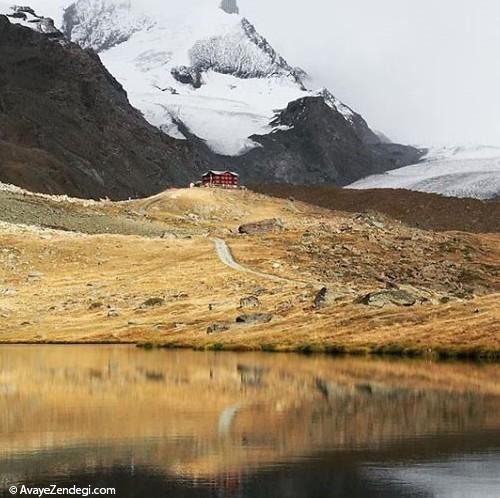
{"x":426,"y":211}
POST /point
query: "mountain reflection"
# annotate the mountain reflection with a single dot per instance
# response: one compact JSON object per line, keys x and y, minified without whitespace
{"x":214,"y":419}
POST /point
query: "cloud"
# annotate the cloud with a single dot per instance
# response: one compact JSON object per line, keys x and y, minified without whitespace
{"x":423,"y":72}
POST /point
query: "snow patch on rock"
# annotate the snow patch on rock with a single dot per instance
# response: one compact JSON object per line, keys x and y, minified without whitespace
{"x":336,"y":104}
{"x":26,"y":16}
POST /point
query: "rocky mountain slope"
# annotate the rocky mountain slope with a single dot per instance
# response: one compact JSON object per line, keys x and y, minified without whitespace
{"x":66,"y":125}
{"x":312,"y":143}
{"x":205,"y":77}
{"x":451,"y":171}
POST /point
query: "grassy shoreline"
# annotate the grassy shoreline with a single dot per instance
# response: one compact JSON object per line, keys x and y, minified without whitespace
{"x":329,"y":349}
{"x":391,"y":350}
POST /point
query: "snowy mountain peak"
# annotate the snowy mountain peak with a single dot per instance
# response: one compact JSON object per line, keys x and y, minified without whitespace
{"x":102,"y":24}
{"x":230,"y":6}
{"x":195,"y":68}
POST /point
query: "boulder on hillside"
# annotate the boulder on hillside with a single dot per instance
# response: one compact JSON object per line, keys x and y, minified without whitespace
{"x":249,"y":302}
{"x":217,"y":328}
{"x":326,"y":297}
{"x":263,"y":226}
{"x":323,"y":298}
{"x":152,"y":302}
{"x":255,"y":318}
{"x":396,"y":297}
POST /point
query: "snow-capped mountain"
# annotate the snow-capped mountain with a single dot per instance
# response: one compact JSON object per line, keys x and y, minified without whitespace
{"x":197,"y":62}
{"x":450,"y":171}
{"x":201,"y":73}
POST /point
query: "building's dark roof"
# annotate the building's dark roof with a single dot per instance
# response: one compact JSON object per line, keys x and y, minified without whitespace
{"x":218,"y":173}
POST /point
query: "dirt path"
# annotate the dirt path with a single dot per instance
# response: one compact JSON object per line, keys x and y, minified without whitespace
{"x":224,"y":254}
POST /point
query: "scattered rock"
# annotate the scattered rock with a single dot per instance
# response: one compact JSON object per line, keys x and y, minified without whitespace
{"x":284,"y":307}
{"x":9,"y":291}
{"x":113,"y":313}
{"x":378,"y":225}
{"x":193,"y":217}
{"x":95,"y":306}
{"x":322,"y":299}
{"x":383,"y":298}
{"x":370,"y":219}
{"x":152,"y":302}
{"x":180,"y":295}
{"x":35,"y":276}
{"x":217,"y":328}
{"x":249,"y":302}
{"x":259,"y":290}
{"x":169,"y":236}
{"x":465,"y":294}
{"x":261,"y":226}
{"x":255,"y":318}
{"x":327,"y":297}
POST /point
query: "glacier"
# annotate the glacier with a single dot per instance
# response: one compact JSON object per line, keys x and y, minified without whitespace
{"x":472,"y":171}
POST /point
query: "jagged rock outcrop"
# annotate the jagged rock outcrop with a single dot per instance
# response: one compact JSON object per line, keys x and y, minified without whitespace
{"x":242,"y":53}
{"x":66,"y":125}
{"x":28,"y":17}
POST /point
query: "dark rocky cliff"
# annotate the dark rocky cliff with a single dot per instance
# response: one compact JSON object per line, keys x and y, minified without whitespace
{"x":66,"y":125}
{"x":318,"y":146}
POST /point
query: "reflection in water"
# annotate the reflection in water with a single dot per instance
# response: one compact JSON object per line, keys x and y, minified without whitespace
{"x":180,"y":423}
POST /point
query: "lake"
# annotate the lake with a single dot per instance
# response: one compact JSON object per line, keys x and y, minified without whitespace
{"x":174,"y":423}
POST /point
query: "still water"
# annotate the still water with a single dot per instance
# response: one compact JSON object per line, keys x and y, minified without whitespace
{"x":197,"y":424}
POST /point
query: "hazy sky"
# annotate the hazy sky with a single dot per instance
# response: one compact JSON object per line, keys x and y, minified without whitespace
{"x":422,"y":71}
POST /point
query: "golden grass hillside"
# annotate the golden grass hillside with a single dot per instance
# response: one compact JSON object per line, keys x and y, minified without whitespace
{"x":146,"y":271}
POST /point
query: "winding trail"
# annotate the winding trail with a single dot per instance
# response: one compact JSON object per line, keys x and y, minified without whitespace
{"x":225,"y":255}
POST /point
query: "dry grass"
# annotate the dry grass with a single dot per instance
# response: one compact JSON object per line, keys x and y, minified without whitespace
{"x":84,"y":279}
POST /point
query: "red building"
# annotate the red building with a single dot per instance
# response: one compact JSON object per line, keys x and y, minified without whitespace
{"x":220,"y":179}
